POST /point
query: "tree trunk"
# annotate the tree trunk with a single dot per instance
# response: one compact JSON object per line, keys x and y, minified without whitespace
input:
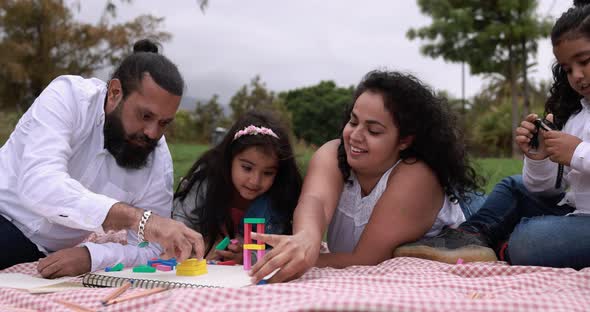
{"x":525,"y":83}
{"x":513,"y":96}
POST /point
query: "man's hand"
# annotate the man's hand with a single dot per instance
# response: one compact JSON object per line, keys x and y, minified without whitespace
{"x":293,"y":255}
{"x":560,"y":146}
{"x":176,"y":238}
{"x":65,"y":262}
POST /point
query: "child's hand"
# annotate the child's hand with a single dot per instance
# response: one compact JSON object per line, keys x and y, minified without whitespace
{"x":524,"y":134}
{"x":233,"y":252}
{"x":560,"y":146}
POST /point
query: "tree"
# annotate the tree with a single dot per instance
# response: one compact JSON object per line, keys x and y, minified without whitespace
{"x":207,"y":116}
{"x":489,"y":132}
{"x":256,"y":97}
{"x":317,"y":111}
{"x":39,"y":40}
{"x":495,"y":36}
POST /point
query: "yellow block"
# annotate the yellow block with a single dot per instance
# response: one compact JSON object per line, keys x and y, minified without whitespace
{"x":190,"y":272}
{"x":254,"y":246}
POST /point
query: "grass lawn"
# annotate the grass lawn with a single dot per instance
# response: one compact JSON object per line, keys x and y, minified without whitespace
{"x":493,"y":169}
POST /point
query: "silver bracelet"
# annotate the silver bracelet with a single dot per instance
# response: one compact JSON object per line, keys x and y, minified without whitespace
{"x":141,"y":228}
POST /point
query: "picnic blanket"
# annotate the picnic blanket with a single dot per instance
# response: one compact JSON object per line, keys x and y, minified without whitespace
{"x":400,"y":284}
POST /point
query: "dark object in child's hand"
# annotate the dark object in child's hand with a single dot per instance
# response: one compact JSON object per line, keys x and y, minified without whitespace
{"x":540,"y":124}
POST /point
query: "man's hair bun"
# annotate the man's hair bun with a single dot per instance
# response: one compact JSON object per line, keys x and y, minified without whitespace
{"x":145,"y":45}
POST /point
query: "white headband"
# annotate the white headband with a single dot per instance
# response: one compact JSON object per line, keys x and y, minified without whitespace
{"x":253,"y":130}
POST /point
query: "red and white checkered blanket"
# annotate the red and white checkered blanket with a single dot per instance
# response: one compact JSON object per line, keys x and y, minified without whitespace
{"x":400,"y":284}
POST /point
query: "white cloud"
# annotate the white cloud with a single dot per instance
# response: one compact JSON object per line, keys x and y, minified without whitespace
{"x":292,"y":44}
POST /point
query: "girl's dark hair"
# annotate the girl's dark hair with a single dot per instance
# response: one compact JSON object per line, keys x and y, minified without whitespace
{"x":563,"y":100}
{"x":418,"y":112}
{"x":146,"y":60}
{"x":215,"y":167}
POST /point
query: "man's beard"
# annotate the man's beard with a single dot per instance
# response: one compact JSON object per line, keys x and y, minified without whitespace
{"x":119,"y":143}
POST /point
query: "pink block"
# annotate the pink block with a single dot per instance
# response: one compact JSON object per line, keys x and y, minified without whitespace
{"x":459,"y":261}
{"x":247,"y":260}
{"x":162,"y":267}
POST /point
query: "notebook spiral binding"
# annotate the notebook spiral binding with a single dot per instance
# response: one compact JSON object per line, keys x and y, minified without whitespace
{"x":101,"y":281}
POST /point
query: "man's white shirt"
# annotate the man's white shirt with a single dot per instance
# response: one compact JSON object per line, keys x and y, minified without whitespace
{"x":539,"y":176}
{"x":58,"y":182}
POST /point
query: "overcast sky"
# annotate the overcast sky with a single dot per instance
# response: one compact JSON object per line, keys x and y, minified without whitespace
{"x":293,"y":44}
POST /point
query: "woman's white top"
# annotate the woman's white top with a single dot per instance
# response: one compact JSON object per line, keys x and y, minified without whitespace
{"x":354,"y":210}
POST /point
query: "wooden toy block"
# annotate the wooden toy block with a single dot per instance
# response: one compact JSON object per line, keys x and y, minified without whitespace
{"x":223,"y":244}
{"x":144,"y":269}
{"x":190,"y":272}
{"x":247,"y":231}
{"x":163,"y":267}
{"x":117,"y":267}
{"x":254,"y":247}
{"x":253,"y":220}
{"x":192,"y":267}
{"x":247,"y":260}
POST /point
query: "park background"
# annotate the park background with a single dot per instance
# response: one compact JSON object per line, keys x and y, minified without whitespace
{"x":491,"y":60}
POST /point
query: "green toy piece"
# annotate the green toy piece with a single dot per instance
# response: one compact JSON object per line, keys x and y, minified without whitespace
{"x":223,"y":244}
{"x":253,"y":220}
{"x":118,"y":267}
{"x":144,"y":269}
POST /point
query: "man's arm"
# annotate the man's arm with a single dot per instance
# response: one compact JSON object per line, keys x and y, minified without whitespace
{"x":44,"y":185}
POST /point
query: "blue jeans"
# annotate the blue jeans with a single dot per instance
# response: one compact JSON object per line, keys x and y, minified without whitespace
{"x":15,"y":246}
{"x":506,"y":205}
{"x":537,"y":230}
{"x":554,"y":241}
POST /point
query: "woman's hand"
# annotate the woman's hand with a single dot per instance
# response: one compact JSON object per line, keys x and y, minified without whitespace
{"x":292,"y":255}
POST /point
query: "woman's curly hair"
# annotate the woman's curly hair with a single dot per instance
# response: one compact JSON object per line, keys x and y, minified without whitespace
{"x":418,"y":112}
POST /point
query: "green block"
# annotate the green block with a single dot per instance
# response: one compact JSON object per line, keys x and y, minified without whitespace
{"x":254,"y":220}
{"x":223,"y":244}
{"x":144,"y":269}
{"x":118,"y":267}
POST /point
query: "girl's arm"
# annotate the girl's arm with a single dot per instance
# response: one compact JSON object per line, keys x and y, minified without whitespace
{"x":405,"y":212}
{"x":295,"y":254}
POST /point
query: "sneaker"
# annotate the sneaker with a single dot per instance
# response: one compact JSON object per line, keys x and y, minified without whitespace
{"x":449,"y":246}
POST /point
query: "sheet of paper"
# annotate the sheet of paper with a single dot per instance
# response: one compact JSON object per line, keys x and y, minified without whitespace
{"x":27,"y":282}
{"x":217,"y":276}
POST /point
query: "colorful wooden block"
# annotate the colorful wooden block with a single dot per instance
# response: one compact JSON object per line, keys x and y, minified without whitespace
{"x":223,"y":244}
{"x":254,"y":246}
{"x":253,"y":220}
{"x":163,"y":267}
{"x":144,"y":269}
{"x":117,"y":267}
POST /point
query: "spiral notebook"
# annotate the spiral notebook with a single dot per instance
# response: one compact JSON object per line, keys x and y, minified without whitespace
{"x":218,"y":276}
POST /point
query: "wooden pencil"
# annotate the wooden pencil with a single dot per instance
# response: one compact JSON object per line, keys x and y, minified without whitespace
{"x":73,"y":306}
{"x":116,"y":293}
{"x":135,"y":296}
